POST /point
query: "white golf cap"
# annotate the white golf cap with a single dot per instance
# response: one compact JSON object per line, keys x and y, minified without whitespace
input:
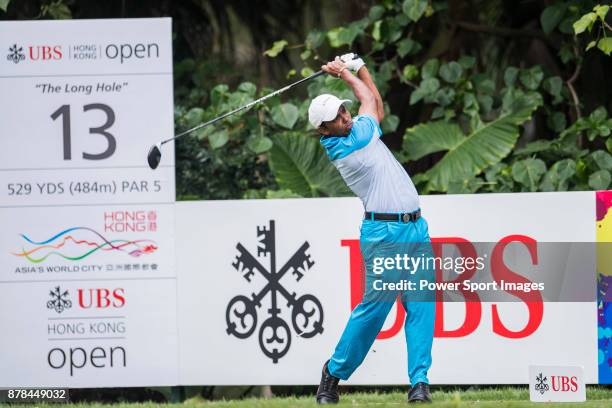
{"x":324,"y":108}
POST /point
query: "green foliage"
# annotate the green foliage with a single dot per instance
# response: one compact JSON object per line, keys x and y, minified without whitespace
{"x":285,"y":115}
{"x":528,"y":172}
{"x":414,"y":9}
{"x":588,"y":21}
{"x":4,"y":4}
{"x":600,"y":180}
{"x":259,"y":144}
{"x":466,"y":155}
{"x":484,"y":124}
{"x":56,"y":10}
{"x":227,"y":159}
{"x":300,"y":165}
{"x":552,"y":16}
{"x":340,"y":36}
{"x":276,"y":49}
{"x":218,"y":139}
{"x":558,"y":176}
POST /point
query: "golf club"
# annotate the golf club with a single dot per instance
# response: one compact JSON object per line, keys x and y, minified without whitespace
{"x":154,"y":155}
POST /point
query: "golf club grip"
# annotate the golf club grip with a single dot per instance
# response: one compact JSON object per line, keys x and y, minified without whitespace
{"x":248,"y":105}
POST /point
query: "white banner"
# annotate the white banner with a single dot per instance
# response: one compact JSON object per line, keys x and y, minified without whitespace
{"x":88,"y":273}
{"x":89,"y":333}
{"x":224,"y":259}
{"x":77,"y":119}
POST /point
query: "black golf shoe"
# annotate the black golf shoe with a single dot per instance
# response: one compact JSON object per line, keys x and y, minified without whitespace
{"x":419,"y":393}
{"x":327,"y":393}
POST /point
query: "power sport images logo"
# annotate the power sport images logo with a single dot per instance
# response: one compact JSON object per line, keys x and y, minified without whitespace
{"x":242,"y":313}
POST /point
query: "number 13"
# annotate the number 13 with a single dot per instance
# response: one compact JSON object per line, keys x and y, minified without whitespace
{"x":64,"y":111}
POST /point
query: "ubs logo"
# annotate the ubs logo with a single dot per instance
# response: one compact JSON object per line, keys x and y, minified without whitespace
{"x":242,"y":311}
{"x":541,"y":384}
{"x":15,"y":54}
{"x":59,"y":301}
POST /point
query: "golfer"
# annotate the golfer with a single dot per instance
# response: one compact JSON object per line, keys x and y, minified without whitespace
{"x":392,"y":221}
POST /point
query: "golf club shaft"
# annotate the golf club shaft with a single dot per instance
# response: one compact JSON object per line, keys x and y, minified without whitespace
{"x":248,"y":105}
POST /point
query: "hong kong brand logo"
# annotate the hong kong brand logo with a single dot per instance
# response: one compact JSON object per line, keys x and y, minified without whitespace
{"x":15,"y":54}
{"x":59,"y":300}
{"x":242,"y":313}
{"x":541,"y":386}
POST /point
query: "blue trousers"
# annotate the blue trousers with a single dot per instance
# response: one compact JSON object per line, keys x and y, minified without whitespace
{"x":383,"y":239}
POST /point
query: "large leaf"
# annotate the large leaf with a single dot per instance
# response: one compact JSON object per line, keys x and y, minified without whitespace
{"x":557,"y":122}
{"x":467,"y":155}
{"x":346,"y":35}
{"x":300,"y":165}
{"x":259,"y":144}
{"x":285,"y":115}
{"x":194,"y":117}
{"x":276,"y":49}
{"x":407,"y":47}
{"x":376,"y":12}
{"x":605,"y":44}
{"x":528,"y":172}
{"x":389,"y":123}
{"x":56,"y":10}
{"x":603,"y":159}
{"x":551,"y":16}
{"x":601,"y":11}
{"x":248,"y":87}
{"x":585,"y":22}
{"x":281,"y":194}
{"x":451,"y":72}
{"x":510,"y":76}
{"x":532,"y":77}
{"x":218,"y":139}
{"x":4,"y":4}
{"x":556,"y":179}
{"x":533,"y":147}
{"x":422,"y":140}
{"x":600,"y":180}
{"x":414,"y":8}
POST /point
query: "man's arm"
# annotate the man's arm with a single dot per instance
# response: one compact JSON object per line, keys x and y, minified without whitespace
{"x":365,"y":76}
{"x":363,"y":93}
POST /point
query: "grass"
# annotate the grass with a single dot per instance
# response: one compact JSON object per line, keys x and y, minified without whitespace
{"x":501,"y":397}
{"x":490,"y":398}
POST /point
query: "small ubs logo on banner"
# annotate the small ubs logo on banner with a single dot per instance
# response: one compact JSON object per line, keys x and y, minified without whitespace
{"x":60,"y":300}
{"x":15,"y":54}
{"x":556,"y":384}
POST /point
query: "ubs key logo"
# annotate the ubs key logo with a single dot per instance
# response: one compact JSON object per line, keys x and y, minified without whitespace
{"x":59,"y":300}
{"x":15,"y":54}
{"x":306,"y":311}
{"x":541,"y":385}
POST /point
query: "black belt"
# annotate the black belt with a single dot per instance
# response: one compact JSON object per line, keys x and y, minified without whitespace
{"x":397,"y":217}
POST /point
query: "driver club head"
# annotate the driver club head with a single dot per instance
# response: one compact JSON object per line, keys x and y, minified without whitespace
{"x":154,"y":156}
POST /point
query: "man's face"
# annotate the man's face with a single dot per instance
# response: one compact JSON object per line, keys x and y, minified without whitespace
{"x":340,"y":126}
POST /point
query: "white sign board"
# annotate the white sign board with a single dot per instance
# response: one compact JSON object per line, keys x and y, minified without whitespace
{"x":556,"y":384}
{"x":87,"y":277}
{"x":225,"y":251}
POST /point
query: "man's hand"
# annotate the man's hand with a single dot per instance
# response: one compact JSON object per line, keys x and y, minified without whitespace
{"x":352,"y":64}
{"x":371,"y":103}
{"x":335,"y":67}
